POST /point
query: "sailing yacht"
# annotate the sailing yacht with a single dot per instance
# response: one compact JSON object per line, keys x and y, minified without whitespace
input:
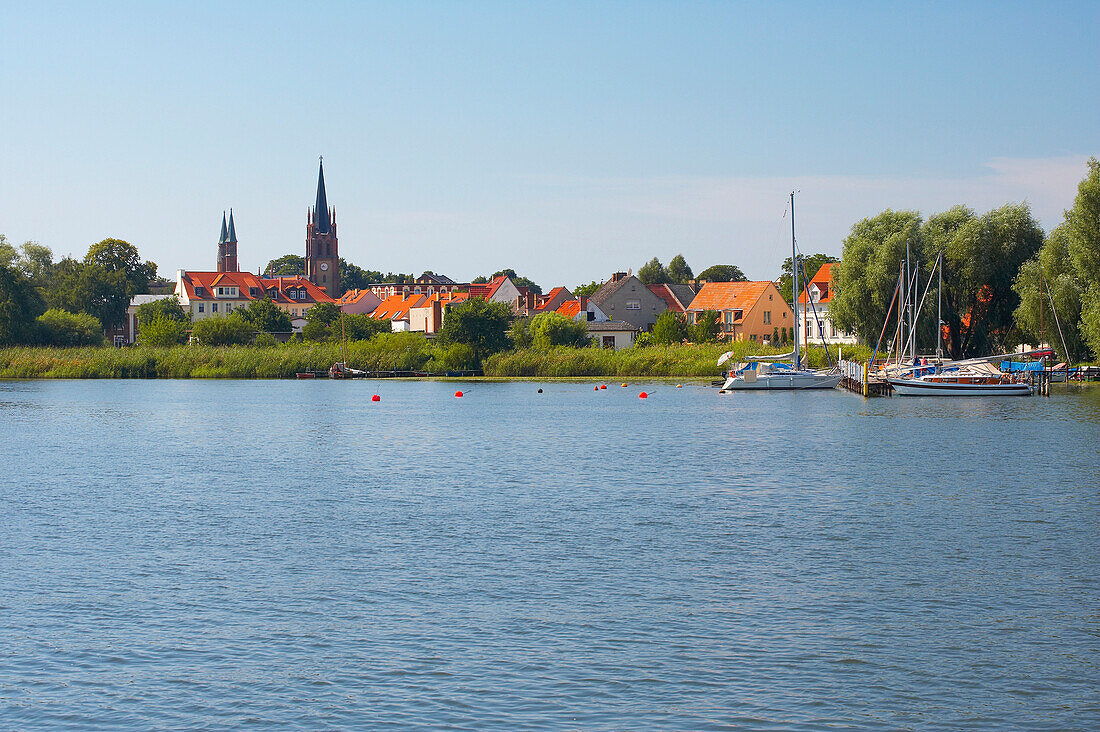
{"x":769,"y":372}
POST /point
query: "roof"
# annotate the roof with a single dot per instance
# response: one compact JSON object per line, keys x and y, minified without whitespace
{"x":232,"y":229}
{"x":352,"y":296}
{"x":137,"y":300}
{"x":396,"y":307}
{"x":729,"y":295}
{"x":676,"y":297}
{"x":605,"y":325}
{"x":224,"y":236}
{"x":569,"y":308}
{"x":320,"y":210}
{"x":246,"y":281}
{"x":487,"y":290}
{"x":824,"y":281}
{"x":608,"y":289}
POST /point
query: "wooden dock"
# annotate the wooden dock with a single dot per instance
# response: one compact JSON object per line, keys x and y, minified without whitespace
{"x":856,"y":378}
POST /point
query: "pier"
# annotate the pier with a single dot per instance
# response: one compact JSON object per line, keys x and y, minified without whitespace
{"x":855,"y":377}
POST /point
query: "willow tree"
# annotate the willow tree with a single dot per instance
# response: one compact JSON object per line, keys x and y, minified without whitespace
{"x":1083,"y":244}
{"x":1047,"y":278}
{"x":865,"y":279}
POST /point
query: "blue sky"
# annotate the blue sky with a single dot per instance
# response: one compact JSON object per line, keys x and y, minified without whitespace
{"x":565,"y":140}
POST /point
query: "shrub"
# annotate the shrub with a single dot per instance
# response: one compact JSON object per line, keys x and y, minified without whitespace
{"x":168,"y":307}
{"x":228,"y":330}
{"x":265,"y":340}
{"x":61,"y":328}
{"x":669,"y":328}
{"x":643,"y":340}
{"x":479,"y":324}
{"x":553,"y":329}
{"x":459,"y":356}
{"x":266,"y":317}
{"x":161,"y":331}
{"x":706,"y":327}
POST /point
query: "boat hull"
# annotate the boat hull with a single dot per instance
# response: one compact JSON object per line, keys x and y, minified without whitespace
{"x":781,"y":382}
{"x":919,"y":387}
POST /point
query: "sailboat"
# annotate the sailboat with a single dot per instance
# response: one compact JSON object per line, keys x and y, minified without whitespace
{"x":770,"y":372}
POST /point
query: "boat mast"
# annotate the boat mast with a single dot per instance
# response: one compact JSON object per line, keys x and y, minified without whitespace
{"x":912,"y":329}
{"x":939,"y":308}
{"x":794,"y":290}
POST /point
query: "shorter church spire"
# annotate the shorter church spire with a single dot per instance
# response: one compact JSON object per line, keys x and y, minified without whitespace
{"x":232,"y":231}
{"x":224,"y":237}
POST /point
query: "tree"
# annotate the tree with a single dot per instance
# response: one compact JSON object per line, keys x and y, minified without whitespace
{"x":653,"y":273}
{"x":36,"y":261}
{"x":722,"y":273}
{"x":511,"y":274}
{"x":1051,"y":276}
{"x":88,"y":287}
{"x":225,"y":330}
{"x":20,"y":304}
{"x":60,"y":328}
{"x":669,"y":328}
{"x":707,"y":327}
{"x":1083,"y":234}
{"x":8,"y":256}
{"x":266,"y":317}
{"x":586,"y":290}
{"x":810,"y":266}
{"x":479,"y":324}
{"x":553,"y":329}
{"x":865,"y":279}
{"x":362,"y":327}
{"x":679,"y":271}
{"x":115,"y":255}
{"x":288,"y":265}
{"x":168,"y":307}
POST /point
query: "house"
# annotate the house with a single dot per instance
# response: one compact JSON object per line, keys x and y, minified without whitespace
{"x":625,"y":297}
{"x":615,"y":334}
{"x":356,"y":302}
{"x":209,"y":294}
{"x":428,"y":283}
{"x":752,"y":311}
{"x":582,"y":309}
{"x":127,"y":332}
{"x":814,"y":323}
{"x":676,"y":297}
{"x":417,"y":313}
{"x":499,"y":289}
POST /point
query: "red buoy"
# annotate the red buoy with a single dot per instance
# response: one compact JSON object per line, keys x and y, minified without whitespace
{"x":603,"y":386}
{"x":376,"y":398}
{"x":595,"y":388}
{"x":458,"y":395}
{"x":643,"y":395}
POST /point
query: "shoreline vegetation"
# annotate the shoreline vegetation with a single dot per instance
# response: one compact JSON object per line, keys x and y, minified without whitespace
{"x":385,"y":352}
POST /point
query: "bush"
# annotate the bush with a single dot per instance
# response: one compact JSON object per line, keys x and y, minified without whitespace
{"x":479,"y":324}
{"x":669,"y":328}
{"x":362,"y":327}
{"x":168,"y":307}
{"x":642,"y":340}
{"x":266,"y":317}
{"x":459,"y":357}
{"x":62,"y":328}
{"x":552,"y":329}
{"x":706,"y":327}
{"x":161,"y":331}
{"x":265,"y":340}
{"x":228,"y":330}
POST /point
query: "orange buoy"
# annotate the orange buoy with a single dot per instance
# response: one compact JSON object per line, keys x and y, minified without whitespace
{"x":679,"y":386}
{"x":624,"y":386}
{"x":643,"y":395}
{"x":603,"y":386}
{"x":458,"y":395}
{"x":376,"y":398}
{"x":595,"y":388}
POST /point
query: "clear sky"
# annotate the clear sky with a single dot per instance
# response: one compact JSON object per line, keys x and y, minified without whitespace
{"x":564,"y":140}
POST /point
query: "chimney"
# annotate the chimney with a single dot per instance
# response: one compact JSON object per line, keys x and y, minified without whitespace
{"x":584,"y":304}
{"x":618,"y":276}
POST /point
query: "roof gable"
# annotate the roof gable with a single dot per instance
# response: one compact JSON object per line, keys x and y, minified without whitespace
{"x":730,"y":295}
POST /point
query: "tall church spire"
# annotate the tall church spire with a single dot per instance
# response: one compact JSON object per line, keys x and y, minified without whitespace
{"x":320,"y":212}
{"x":232,"y":231}
{"x":224,"y":237}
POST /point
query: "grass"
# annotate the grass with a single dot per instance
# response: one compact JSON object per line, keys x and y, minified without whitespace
{"x":391,"y":351}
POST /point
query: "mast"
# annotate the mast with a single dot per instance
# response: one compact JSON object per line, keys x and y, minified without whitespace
{"x":939,"y":308}
{"x":912,"y":330}
{"x":794,"y":290}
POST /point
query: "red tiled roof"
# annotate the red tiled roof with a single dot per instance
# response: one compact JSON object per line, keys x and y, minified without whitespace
{"x":487,"y":290}
{"x":397,"y":307}
{"x":353,"y":296}
{"x":569,"y":308}
{"x":824,"y":281}
{"x":666,"y":294}
{"x":245,"y":282}
{"x":729,"y":295}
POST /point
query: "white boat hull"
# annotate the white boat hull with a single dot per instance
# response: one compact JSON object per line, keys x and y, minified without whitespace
{"x":920,"y":387}
{"x":781,"y":381}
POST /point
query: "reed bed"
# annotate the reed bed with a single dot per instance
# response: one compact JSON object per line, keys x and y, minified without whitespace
{"x":386,"y":352}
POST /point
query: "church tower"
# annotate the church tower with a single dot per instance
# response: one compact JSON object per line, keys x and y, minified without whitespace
{"x":227,"y":246}
{"x":322,"y":247}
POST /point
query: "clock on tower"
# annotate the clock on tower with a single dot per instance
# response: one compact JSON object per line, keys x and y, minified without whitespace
{"x":322,"y":246}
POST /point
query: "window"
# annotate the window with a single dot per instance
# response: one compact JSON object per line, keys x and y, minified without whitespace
{"x":768,"y":316}
{"x":633,"y":305}
{"x":202,"y":307}
{"x":821,"y":331}
{"x":738,"y":314}
{"x":228,"y":307}
{"x":213,"y":307}
{"x":253,"y":291}
{"x":752,"y":336}
{"x":609,"y":341}
{"x":591,"y":316}
{"x":221,"y":290}
{"x":199,"y":291}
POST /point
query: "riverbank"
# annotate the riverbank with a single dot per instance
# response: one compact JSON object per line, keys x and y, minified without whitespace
{"x":388,"y":352}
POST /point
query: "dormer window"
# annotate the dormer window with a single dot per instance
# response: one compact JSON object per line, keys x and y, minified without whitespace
{"x":200,"y":291}
{"x":253,"y":291}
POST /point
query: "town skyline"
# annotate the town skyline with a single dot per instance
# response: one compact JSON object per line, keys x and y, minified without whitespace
{"x":580,"y":141}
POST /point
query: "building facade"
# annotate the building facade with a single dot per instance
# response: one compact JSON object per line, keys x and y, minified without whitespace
{"x":322,"y":244}
{"x":625,"y":298}
{"x":752,"y":311}
{"x":814,"y":323}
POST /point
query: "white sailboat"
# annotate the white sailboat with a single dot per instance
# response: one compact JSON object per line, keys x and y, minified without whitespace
{"x":770,"y":372}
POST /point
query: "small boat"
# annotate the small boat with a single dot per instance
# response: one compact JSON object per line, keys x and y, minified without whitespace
{"x":306,"y":375}
{"x":960,"y":382}
{"x":764,"y":372}
{"x":341,"y":370}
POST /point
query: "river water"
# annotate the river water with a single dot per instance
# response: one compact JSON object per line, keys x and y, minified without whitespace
{"x":182,"y":554}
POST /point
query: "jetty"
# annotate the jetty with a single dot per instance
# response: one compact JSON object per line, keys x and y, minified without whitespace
{"x":856,"y":378}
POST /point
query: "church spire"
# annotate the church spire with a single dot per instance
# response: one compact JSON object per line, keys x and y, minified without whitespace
{"x":224,"y":237}
{"x":232,"y":231}
{"x":320,"y":211}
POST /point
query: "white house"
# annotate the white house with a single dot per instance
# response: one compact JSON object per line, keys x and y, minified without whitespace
{"x":814,"y":323}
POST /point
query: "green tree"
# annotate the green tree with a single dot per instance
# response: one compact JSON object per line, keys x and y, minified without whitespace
{"x":88,"y":287}
{"x":669,"y":328}
{"x":479,"y":324}
{"x":160,"y":330}
{"x":36,"y":261}
{"x":288,"y":265}
{"x":722,"y":273}
{"x":20,"y":304}
{"x":1050,"y":276}
{"x":865,"y":279}
{"x":61,"y":328}
{"x":653,"y":273}
{"x":115,"y":255}
{"x":553,"y":329}
{"x":362,"y":327}
{"x":267,"y":317}
{"x":707,"y":327}
{"x":167,"y":307}
{"x":1083,"y":235}
{"x":9,"y":257}
{"x":586,"y":290}
{"x":810,"y":266}
{"x":679,"y":271}
{"x":225,"y":330}
{"x":520,"y":333}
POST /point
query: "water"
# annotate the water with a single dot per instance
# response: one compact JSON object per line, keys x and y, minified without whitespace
{"x":292,"y":555}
